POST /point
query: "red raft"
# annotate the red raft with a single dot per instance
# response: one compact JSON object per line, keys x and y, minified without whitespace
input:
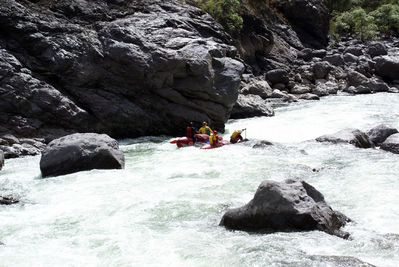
{"x":186,"y":141}
{"x":221,"y":143}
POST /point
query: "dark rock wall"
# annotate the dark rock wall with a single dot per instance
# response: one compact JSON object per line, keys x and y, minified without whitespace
{"x":126,"y":68}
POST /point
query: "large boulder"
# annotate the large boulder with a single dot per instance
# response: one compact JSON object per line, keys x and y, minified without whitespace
{"x":350,"y":136}
{"x":277,"y":76}
{"x":286,"y":206}
{"x":1,"y":159}
{"x":391,"y":144}
{"x":126,"y":68}
{"x":387,"y":67}
{"x":257,"y":87}
{"x":248,"y":106}
{"x":80,"y":152}
{"x":321,"y":69}
{"x":380,"y":133}
{"x":377,"y":49}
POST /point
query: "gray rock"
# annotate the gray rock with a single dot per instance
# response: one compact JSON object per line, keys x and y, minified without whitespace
{"x":391,"y":144}
{"x":354,"y":50}
{"x":350,"y":136}
{"x":18,"y":150}
{"x":1,"y":159}
{"x":355,"y":78}
{"x":278,"y":94}
{"x":361,"y":89}
{"x":80,"y":152}
{"x":321,"y":53}
{"x":300,"y":89}
{"x":349,"y":58}
{"x":308,"y":96}
{"x":305,"y":54}
{"x":261,"y":144}
{"x":257,"y":87}
{"x":387,"y":67}
{"x":380,"y":133}
{"x":248,"y":106}
{"x":377,"y":49}
{"x":321,"y":69}
{"x":286,"y":206}
{"x":335,"y":60}
{"x":277,"y":76}
{"x":376,"y":85}
{"x":9,"y":140}
{"x":8,"y":201}
{"x":325,"y":88}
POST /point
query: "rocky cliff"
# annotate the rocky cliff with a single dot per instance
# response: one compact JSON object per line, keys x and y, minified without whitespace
{"x":126,"y":68}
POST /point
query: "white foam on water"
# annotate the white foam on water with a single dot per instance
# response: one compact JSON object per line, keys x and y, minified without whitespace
{"x":165,"y":206}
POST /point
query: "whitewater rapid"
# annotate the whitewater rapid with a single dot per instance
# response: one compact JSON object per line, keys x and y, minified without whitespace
{"x":165,"y":206}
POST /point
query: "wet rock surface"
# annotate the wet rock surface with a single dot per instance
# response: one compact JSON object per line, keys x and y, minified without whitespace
{"x":8,"y":201}
{"x":80,"y":152}
{"x":292,"y":205}
{"x":349,"y":136}
{"x":380,"y":133}
{"x":391,"y":144}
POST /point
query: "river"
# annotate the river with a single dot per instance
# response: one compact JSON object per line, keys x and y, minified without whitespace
{"x":165,"y":206}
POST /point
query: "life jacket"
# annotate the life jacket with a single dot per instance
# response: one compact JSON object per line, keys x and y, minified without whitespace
{"x":205,"y":130}
{"x":189,"y":131}
{"x":213,"y":140}
{"x":235,"y":135}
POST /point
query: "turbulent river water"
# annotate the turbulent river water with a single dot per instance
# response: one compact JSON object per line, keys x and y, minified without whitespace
{"x":165,"y":206}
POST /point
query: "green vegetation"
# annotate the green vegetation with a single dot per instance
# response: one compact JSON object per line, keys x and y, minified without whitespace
{"x":364,"y":19}
{"x":226,"y":12}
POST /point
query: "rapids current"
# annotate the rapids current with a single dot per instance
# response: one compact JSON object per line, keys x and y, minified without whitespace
{"x":165,"y":206}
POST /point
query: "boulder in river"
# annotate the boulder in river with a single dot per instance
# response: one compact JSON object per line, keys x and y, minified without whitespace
{"x":380,"y":133}
{"x":8,"y":200}
{"x":1,"y":159}
{"x":80,"y":152}
{"x":391,"y":144}
{"x":286,"y":206}
{"x":350,"y":136}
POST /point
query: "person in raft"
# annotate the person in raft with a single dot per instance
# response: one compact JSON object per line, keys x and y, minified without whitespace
{"x":214,"y":139}
{"x":190,"y":132}
{"x":236,"y":136}
{"x":205,"y":129}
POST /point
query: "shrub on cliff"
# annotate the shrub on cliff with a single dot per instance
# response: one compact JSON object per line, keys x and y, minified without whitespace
{"x":223,"y":11}
{"x":364,"y":19}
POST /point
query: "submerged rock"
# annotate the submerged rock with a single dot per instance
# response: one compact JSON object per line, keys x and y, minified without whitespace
{"x":342,"y":261}
{"x":80,"y":152}
{"x":8,"y":201}
{"x":350,"y":136}
{"x":292,"y":205}
{"x":380,"y":133}
{"x":391,"y":144}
